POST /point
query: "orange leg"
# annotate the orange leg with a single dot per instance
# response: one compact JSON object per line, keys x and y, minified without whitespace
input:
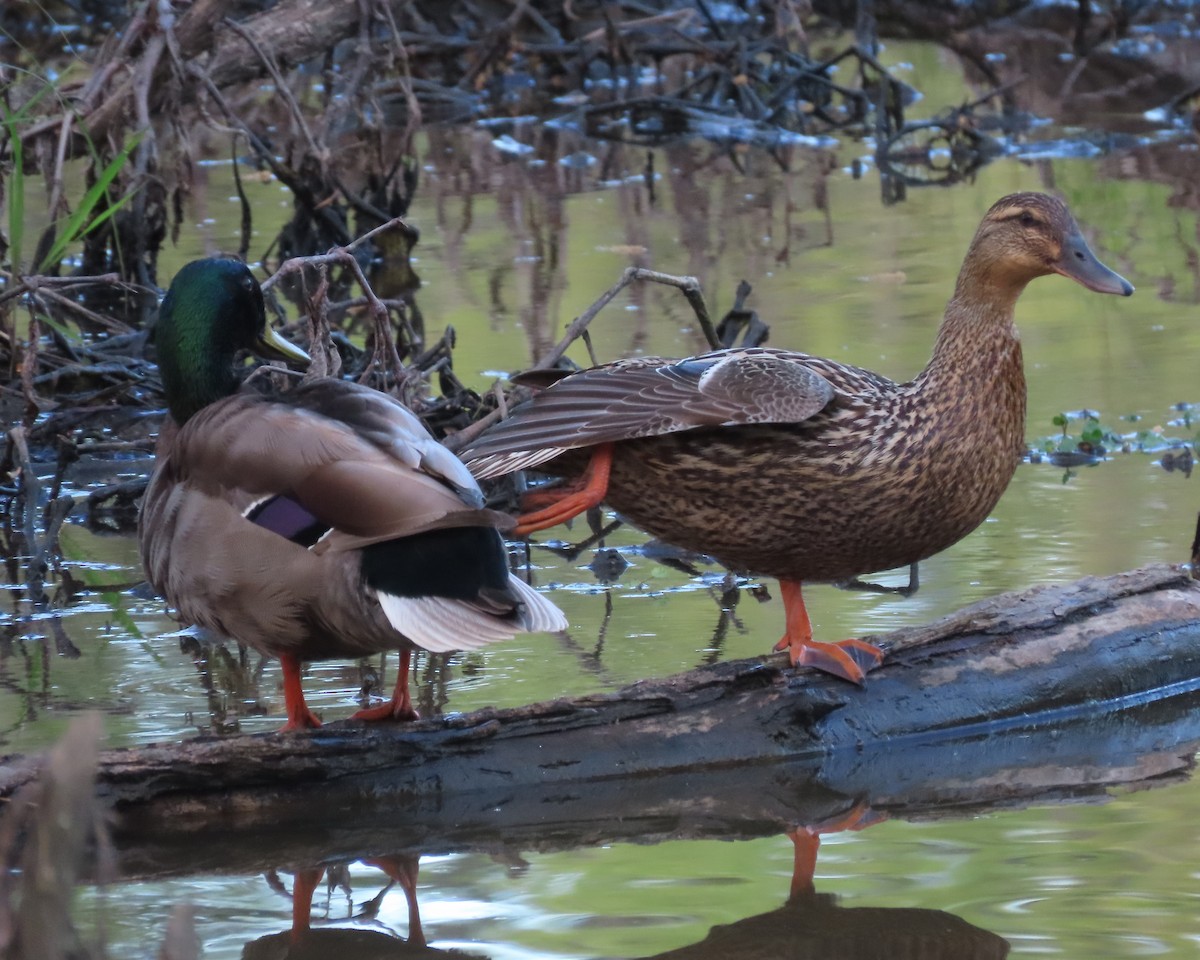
{"x":848,"y":659}
{"x":806,"y":841}
{"x":299,"y":717}
{"x":304,"y":885}
{"x":551,"y":494}
{"x":403,"y":869}
{"x":579,"y":498}
{"x":400,"y":706}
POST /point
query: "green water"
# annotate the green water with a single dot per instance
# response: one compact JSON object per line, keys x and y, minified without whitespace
{"x":508,"y":263}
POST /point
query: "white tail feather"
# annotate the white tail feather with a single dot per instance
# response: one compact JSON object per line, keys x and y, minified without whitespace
{"x":440,"y":624}
{"x":539,"y":615}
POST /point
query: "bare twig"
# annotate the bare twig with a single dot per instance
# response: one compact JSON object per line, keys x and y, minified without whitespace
{"x":31,"y":487}
{"x":65,"y":303}
{"x":326,"y":361}
{"x":384,"y":342}
{"x":342,"y":255}
{"x":283,"y":173}
{"x":127,"y":491}
{"x":116,"y":446}
{"x":395,"y":223}
{"x":281,"y":87}
{"x":501,"y":402}
{"x":456,"y":441}
{"x":34,"y":283}
{"x":412,"y":106}
{"x":689,"y":285}
{"x":29,"y":361}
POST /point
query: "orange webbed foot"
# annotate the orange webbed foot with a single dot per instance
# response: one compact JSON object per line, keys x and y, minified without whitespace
{"x":304,"y":719}
{"x":549,"y":495}
{"x":400,"y":706}
{"x":560,"y":511}
{"x":849,"y":659}
{"x":577,"y":497}
{"x":391,"y":710}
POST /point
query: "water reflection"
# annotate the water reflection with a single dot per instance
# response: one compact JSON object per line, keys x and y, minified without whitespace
{"x":808,"y":924}
{"x":232,"y":678}
{"x":231,"y":681}
{"x":303,"y":940}
{"x":480,"y":838}
{"x":815,"y":926}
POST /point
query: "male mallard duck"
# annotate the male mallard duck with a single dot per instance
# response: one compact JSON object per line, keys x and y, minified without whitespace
{"x":323,"y":522}
{"x":787,"y":465}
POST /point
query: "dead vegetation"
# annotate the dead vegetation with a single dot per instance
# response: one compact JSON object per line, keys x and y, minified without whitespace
{"x":326,"y":98}
{"x":352,"y":84}
{"x":53,"y":833}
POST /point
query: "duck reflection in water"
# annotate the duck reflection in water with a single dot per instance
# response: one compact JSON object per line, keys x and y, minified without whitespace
{"x":809,"y":925}
{"x":813,"y":926}
{"x":302,"y":942}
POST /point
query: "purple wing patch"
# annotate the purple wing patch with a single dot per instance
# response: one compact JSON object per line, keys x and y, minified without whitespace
{"x":284,"y":516}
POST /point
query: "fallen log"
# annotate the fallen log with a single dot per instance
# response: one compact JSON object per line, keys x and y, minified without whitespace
{"x":1019,"y":661}
{"x":1081,"y":760}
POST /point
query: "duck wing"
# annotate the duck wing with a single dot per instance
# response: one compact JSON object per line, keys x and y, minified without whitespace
{"x":652,"y":396}
{"x":332,"y":463}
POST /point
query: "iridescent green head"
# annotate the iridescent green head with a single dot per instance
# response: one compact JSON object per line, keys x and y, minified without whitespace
{"x":213,"y":309}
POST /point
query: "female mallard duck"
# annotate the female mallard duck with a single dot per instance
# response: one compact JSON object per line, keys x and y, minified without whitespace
{"x":324,"y":522}
{"x":787,"y":465}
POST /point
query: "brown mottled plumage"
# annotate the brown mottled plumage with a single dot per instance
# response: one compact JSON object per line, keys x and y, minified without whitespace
{"x":793,"y":466}
{"x":322,"y":522}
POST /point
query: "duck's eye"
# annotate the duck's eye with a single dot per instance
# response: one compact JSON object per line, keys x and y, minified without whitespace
{"x":1027,"y":219}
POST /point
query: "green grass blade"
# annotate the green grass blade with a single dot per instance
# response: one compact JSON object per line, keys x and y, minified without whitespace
{"x":56,"y":325}
{"x":81,"y":220}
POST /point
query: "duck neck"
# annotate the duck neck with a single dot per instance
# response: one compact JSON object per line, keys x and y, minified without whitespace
{"x":978,"y":339}
{"x":194,"y":374}
{"x":976,"y":382}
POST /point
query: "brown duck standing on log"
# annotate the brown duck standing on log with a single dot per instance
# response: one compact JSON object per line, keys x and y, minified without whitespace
{"x":318,"y":523}
{"x":782,"y":464}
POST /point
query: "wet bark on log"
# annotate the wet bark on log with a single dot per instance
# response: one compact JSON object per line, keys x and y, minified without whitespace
{"x":1023,"y":660}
